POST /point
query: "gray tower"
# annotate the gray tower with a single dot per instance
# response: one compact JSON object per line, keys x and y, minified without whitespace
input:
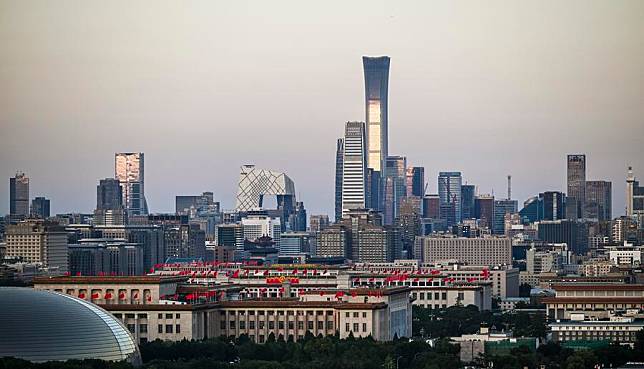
{"x":19,"y":195}
{"x":339,"y":167}
{"x":576,"y":175}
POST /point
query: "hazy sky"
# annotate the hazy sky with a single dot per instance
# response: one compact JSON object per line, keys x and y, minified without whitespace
{"x":489,"y":88}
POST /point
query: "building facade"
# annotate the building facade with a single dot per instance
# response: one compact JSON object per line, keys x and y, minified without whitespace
{"x":576,"y":186}
{"x":599,"y":201}
{"x":38,"y":241}
{"x":449,"y":192}
{"x":19,"y":195}
{"x":40,"y":208}
{"x":354,"y":167}
{"x":476,"y":251}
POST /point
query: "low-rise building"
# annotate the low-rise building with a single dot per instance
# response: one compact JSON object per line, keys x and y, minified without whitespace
{"x":621,"y":330}
{"x":596,"y":301}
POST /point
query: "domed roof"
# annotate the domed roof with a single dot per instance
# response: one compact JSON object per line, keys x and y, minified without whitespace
{"x":43,"y":326}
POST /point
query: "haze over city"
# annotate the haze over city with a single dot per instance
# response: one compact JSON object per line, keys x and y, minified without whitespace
{"x":488,"y":89}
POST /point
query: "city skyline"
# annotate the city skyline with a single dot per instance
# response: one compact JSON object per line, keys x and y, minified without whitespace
{"x":514,"y":107}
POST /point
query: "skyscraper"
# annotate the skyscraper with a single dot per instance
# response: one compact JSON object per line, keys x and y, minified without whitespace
{"x":128,"y":170}
{"x":19,"y":195}
{"x":599,"y":200}
{"x":484,"y":210}
{"x":339,"y":160}
{"x":354,"y":167}
{"x":376,"y":78}
{"x":467,"y":196}
{"x":416,"y":181}
{"x":576,"y":174}
{"x":501,"y":208}
{"x":449,"y":191}
{"x":109,"y":203}
{"x":395,"y":186}
{"x":40,"y":207}
{"x":431,"y":206}
{"x":634,"y":197}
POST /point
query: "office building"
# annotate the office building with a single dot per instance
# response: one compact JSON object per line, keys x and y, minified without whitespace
{"x":297,"y":220}
{"x":475,"y":251}
{"x":38,"y":241}
{"x":295,"y":243}
{"x":196,"y":205}
{"x":431,"y":206}
{"x":634,"y":197}
{"x":395,"y":186}
{"x":468,"y":194}
{"x":185,"y":241}
{"x":501,"y":208}
{"x":334,"y":241}
{"x":40,"y":208}
{"x":109,"y":203}
{"x":449,"y":191}
{"x":484,"y":210}
{"x":354,"y":167}
{"x":576,"y":186}
{"x":376,"y":78}
{"x":599,"y":201}
{"x":255,"y":183}
{"x":409,"y":224}
{"x":318,"y":222}
{"x":19,"y":196}
{"x":570,"y":232}
{"x":549,"y":205}
{"x":339,"y":170}
{"x":231,"y":234}
{"x":256,"y":226}
{"x":129,"y":171}
{"x":376,"y":244}
{"x":89,"y":258}
{"x":592,"y":300}
{"x":416,"y":181}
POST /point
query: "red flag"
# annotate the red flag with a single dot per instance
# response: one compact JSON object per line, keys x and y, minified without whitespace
{"x":149,"y":298}
{"x":81,"y":295}
{"x":95,"y":296}
{"x":415,"y":279}
{"x":434,"y":272}
{"x":354,"y":294}
{"x":78,"y":274}
{"x":236,"y":274}
{"x":321,"y":293}
{"x":122,"y":295}
{"x":108,"y":296}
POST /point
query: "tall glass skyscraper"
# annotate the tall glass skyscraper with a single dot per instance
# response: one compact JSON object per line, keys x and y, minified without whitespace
{"x":416,"y":181}
{"x":576,"y":201}
{"x":449,"y":192}
{"x":354,"y":167}
{"x":468,"y":193}
{"x":376,"y":78}
{"x":128,"y":170}
{"x":395,"y":186}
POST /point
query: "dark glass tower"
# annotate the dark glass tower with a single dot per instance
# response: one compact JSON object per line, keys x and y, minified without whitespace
{"x":376,"y":79}
{"x":19,"y":195}
{"x":576,"y":201}
{"x":468,"y":192}
{"x":339,"y":168}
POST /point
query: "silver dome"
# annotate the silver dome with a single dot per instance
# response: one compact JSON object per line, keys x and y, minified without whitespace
{"x":44,"y":326}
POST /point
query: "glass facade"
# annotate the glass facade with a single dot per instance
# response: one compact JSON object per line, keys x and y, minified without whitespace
{"x":129,"y":171}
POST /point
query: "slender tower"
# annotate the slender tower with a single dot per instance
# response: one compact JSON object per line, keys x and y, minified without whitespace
{"x":576,"y":201}
{"x":128,"y":170}
{"x":354,"y":167}
{"x":339,"y":165}
{"x":376,"y":79}
{"x":630,"y":184}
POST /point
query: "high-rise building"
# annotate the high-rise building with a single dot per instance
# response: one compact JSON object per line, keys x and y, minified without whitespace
{"x":501,"y":208}
{"x":409,"y":222}
{"x":468,"y":192}
{"x":634,"y":197}
{"x":571,"y":232}
{"x":599,"y":201}
{"x":255,"y":183}
{"x":230,"y":235}
{"x":376,"y":79}
{"x":334,"y":241}
{"x":297,"y":220}
{"x":256,"y":226}
{"x":484,"y":210}
{"x":19,"y":195}
{"x":576,"y":184}
{"x":553,"y":205}
{"x":129,"y":171}
{"x":38,"y":241}
{"x":449,"y":191}
{"x":185,"y":241}
{"x":339,"y":169}
{"x":193,"y":205}
{"x":416,"y":181}
{"x":40,"y":207}
{"x":109,"y":203}
{"x":318,"y":222}
{"x":354,"y":167}
{"x":395,"y":186}
{"x":431,"y":206}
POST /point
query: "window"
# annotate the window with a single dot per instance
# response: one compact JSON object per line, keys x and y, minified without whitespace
{"x":251,"y":324}
{"x":356,"y":327}
{"x":143,"y":316}
{"x":280,"y":325}
{"x":355,"y":314}
{"x":364,"y":314}
{"x":300,"y":325}
{"x":168,"y":328}
{"x":290,"y":325}
{"x":271,"y":325}
{"x":261,"y":338}
{"x":346,"y":314}
{"x":131,"y":316}
{"x":232,"y":324}
{"x":364,"y":327}
{"x":329,"y":325}
{"x":143,"y":328}
{"x":444,"y":297}
{"x":131,"y":328}
{"x":160,"y":316}
{"x":118,"y":316}
{"x":222,"y":324}
{"x":143,"y":339}
{"x":177,"y":328}
{"x":160,"y":328}
{"x":168,"y":316}
{"x":346,"y":327}
{"x":261,"y":324}
{"x":177,"y":316}
{"x":320,"y":325}
{"x":242,"y":324}
{"x":309,"y":325}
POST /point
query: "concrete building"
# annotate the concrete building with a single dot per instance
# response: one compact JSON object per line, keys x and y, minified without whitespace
{"x":501,"y":209}
{"x":449,"y":192}
{"x":622,"y":330}
{"x":334,"y":241}
{"x":595,"y":301}
{"x":477,"y":251}
{"x":599,"y":201}
{"x":634,"y":197}
{"x":318,"y":222}
{"x":294,"y":243}
{"x":109,"y":203}
{"x":257,"y":225}
{"x":38,"y":241}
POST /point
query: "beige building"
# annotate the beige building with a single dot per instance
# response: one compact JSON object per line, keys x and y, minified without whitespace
{"x":475,"y":251}
{"x":596,"y":301}
{"x":38,"y":241}
{"x":107,"y":290}
{"x":617,"y":329}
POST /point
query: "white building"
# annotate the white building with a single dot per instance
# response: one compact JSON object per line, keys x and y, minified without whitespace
{"x":256,"y":226}
{"x":354,"y":168}
{"x":476,"y":251}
